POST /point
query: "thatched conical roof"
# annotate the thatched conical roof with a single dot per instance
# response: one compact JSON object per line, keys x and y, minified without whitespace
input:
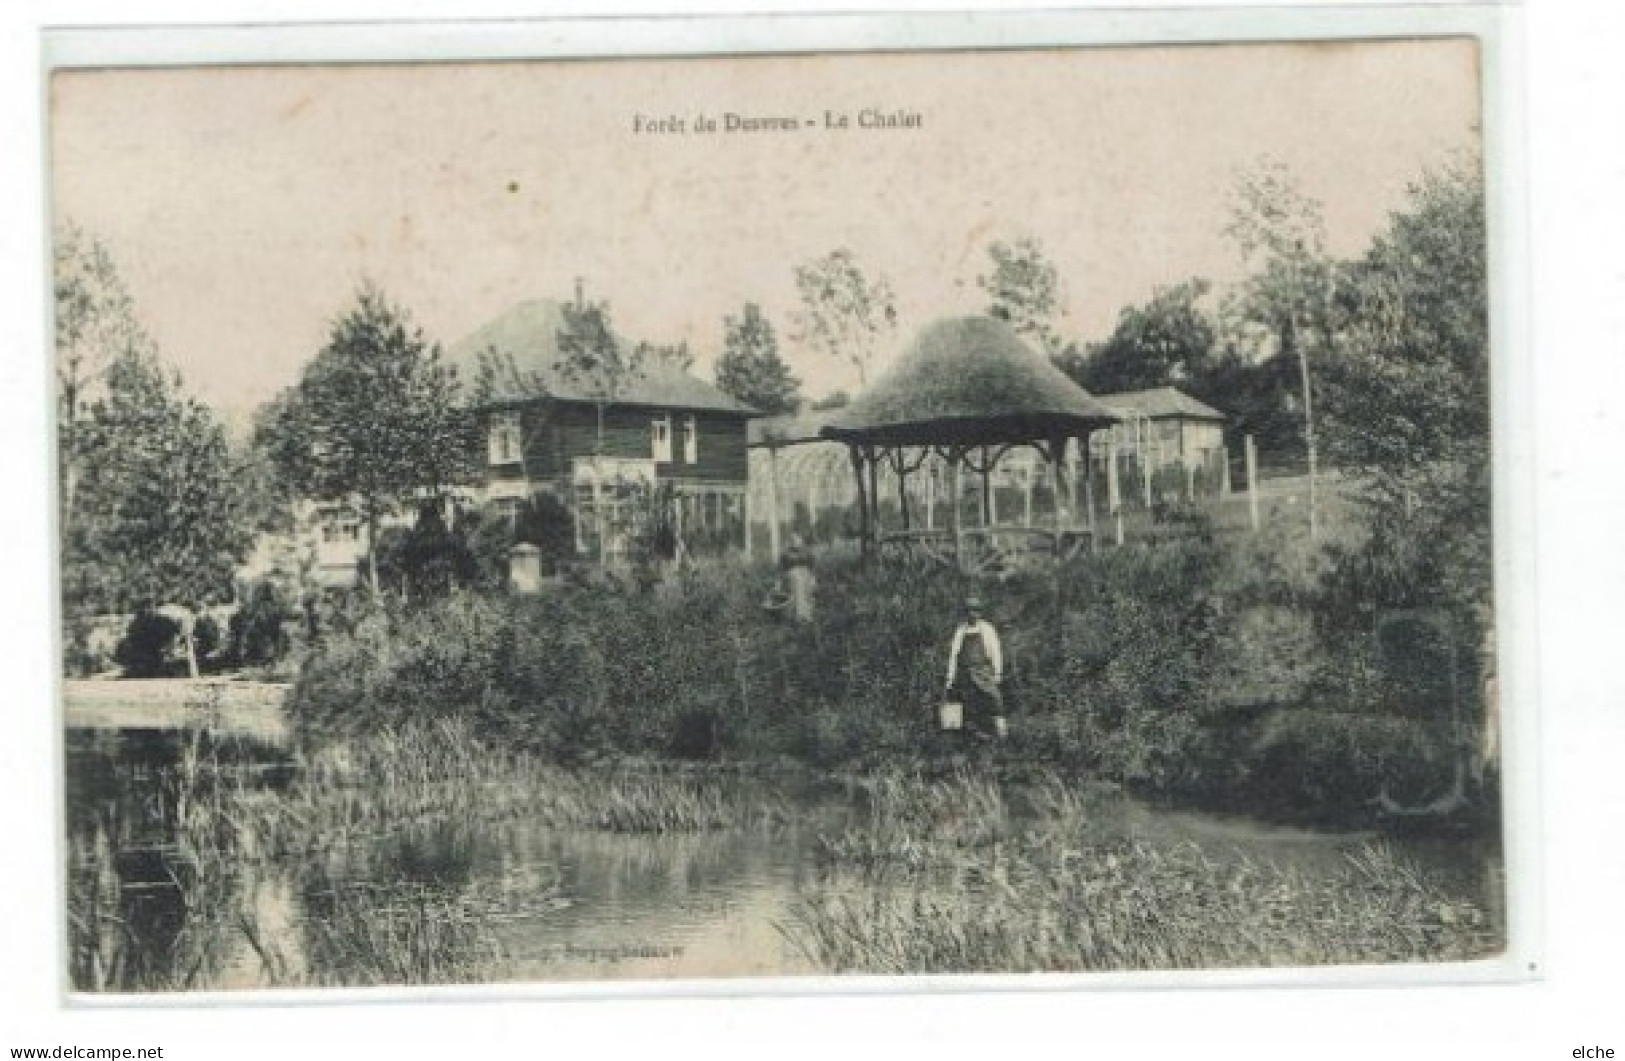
{"x":968,"y":381}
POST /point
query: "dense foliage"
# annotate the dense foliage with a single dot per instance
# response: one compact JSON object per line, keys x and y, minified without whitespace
{"x":750,"y":367}
{"x":159,"y":514}
{"x":374,"y":422}
{"x":1187,"y":669}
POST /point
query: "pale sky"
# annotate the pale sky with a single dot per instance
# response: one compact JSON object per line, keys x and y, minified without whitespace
{"x":244,"y":205}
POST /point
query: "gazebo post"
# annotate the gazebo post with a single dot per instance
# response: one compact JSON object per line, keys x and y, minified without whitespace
{"x":899,"y":465}
{"x":873,"y":458}
{"x":855,"y":454}
{"x":989,"y":515}
{"x":1057,"y":455}
{"x":930,"y":497}
{"x":956,"y":491}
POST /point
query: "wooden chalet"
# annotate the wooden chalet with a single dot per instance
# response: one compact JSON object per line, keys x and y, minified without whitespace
{"x":663,"y":427}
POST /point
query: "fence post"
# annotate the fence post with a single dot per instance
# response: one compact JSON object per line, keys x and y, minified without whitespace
{"x":1114,"y":497}
{"x":1252,"y":481}
{"x":1228,"y":487}
{"x":1143,"y":450}
{"x":1089,"y":500}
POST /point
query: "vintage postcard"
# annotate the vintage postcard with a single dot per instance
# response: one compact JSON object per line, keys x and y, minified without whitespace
{"x":762,"y":499}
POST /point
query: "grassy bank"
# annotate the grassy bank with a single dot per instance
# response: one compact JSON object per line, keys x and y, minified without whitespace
{"x":943,"y":877}
{"x":1198,"y":670}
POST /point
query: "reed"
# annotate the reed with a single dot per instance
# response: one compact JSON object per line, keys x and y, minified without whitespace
{"x":1040,"y":902}
{"x":223,"y":827}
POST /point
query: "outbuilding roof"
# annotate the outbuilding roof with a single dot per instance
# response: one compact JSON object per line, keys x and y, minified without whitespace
{"x":790,"y":429}
{"x":1161,"y":403}
{"x":525,"y":343}
{"x":968,"y":380}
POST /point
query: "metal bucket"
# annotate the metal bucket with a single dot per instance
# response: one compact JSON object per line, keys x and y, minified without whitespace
{"x":951,"y":715}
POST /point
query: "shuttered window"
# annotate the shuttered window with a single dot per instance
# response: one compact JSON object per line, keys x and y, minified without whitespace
{"x":691,"y":440}
{"x":660,"y":439}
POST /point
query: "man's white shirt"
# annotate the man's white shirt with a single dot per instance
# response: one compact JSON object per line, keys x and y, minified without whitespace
{"x":990,"y":641}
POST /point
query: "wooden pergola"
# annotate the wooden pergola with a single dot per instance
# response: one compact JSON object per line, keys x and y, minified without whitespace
{"x":968,"y":390}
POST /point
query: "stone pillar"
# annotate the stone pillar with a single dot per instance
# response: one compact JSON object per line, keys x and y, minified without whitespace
{"x":525,"y":568}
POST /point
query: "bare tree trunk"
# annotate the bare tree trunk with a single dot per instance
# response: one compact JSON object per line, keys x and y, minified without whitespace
{"x":1308,"y":423}
{"x":1309,"y":442}
{"x":190,"y":640}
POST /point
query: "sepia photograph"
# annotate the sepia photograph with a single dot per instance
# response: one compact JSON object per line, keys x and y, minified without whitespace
{"x":743,"y":516}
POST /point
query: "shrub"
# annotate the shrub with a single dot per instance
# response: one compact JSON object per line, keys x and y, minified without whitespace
{"x":1133,"y":663}
{"x":145,"y":649}
{"x":428,"y":560}
{"x":257,"y":635}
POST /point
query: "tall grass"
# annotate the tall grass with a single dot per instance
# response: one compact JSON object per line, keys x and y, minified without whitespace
{"x":965,"y":891}
{"x":175,"y":928}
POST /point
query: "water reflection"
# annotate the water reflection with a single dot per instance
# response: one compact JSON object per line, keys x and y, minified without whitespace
{"x":515,"y":900}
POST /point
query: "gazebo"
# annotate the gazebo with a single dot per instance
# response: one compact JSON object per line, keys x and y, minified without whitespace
{"x":967,"y":390}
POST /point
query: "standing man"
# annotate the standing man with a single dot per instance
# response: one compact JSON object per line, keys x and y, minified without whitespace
{"x":975,"y":670}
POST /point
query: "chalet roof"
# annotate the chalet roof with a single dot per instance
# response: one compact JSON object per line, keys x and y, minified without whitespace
{"x":1161,"y":403}
{"x":968,"y":380}
{"x":529,"y":334}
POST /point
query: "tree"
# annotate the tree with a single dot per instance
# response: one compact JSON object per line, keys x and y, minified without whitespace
{"x":374,"y":423}
{"x":843,"y":314}
{"x":750,"y":367}
{"x":1407,"y":405}
{"x":1025,"y":290}
{"x":95,"y":326}
{"x":834,"y":400}
{"x":594,"y":359}
{"x":162,"y":514}
{"x":1169,"y":340}
{"x":1280,"y":232}
{"x":1406,"y":410}
{"x":679,"y":355}
{"x":1411,"y":389}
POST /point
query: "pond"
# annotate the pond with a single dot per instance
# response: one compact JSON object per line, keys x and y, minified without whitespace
{"x":505,"y":899}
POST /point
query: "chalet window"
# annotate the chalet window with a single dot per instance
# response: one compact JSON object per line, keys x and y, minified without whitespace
{"x":337,"y":529}
{"x":505,"y":438}
{"x":691,"y":440}
{"x":660,"y":439}
{"x":507,"y":510}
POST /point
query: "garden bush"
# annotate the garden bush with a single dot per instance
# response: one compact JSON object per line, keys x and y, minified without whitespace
{"x":144,"y":651}
{"x":1106,"y":665}
{"x":256,"y":633}
{"x":1141,"y":665}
